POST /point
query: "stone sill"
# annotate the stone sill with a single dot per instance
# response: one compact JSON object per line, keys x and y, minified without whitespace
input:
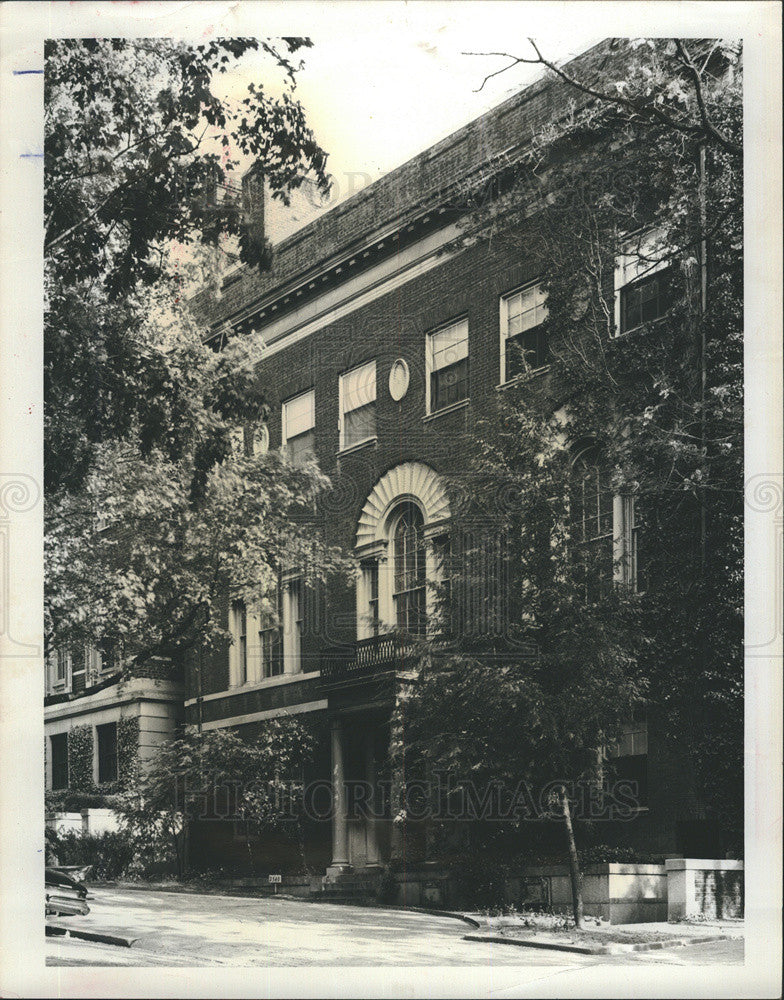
{"x":452,"y":408}
{"x":367,"y":443}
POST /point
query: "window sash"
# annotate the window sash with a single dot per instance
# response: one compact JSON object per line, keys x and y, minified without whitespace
{"x":525,"y":310}
{"x":646,"y":300}
{"x":359,"y":425}
{"x":449,"y":385}
{"x":448,"y":345}
{"x":299,"y":415}
{"x":301,"y":447}
{"x":358,"y":387}
{"x":526,"y":351}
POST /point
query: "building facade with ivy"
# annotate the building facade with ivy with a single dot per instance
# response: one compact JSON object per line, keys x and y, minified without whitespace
{"x":388,"y":337}
{"x":100,"y":725}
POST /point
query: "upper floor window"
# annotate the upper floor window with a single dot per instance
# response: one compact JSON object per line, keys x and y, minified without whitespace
{"x":410,"y":571}
{"x":107,"y":752}
{"x":357,"y":389}
{"x":643,"y":282}
{"x":299,"y":421}
{"x":59,"y":666}
{"x":447,"y":365}
{"x":524,"y":346}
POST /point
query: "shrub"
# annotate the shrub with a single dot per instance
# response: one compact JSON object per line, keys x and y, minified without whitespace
{"x":111,"y":854}
{"x":481,"y":881}
{"x":387,"y":889}
{"x":602,"y":854}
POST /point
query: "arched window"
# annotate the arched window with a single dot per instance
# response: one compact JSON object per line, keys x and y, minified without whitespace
{"x":410,"y":570}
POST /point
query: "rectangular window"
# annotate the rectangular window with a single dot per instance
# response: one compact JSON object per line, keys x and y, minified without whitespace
{"x":370,"y":622}
{"x":447,"y":365}
{"x":238,"y":653}
{"x":299,"y":421}
{"x":629,"y":760}
{"x":524,"y":344}
{"x":107,"y":752}
{"x":644,"y":278}
{"x":357,"y":389}
{"x":59,"y":750}
{"x":292,"y":626}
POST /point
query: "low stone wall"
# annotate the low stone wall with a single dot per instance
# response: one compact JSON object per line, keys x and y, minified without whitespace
{"x":65,"y":822}
{"x":704,"y":887}
{"x":98,"y":821}
{"x":618,"y":893}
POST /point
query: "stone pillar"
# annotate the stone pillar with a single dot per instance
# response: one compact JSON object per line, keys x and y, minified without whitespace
{"x":339,"y":805}
{"x":374,"y":804}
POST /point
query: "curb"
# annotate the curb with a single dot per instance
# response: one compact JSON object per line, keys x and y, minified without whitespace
{"x":58,"y":930}
{"x":545,"y":945}
{"x":612,"y":948}
{"x":438,"y":913}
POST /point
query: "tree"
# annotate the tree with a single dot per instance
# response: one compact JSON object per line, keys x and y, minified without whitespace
{"x":155,"y":512}
{"x":139,"y":155}
{"x":648,"y":144}
{"x":218,"y":775}
{"x":142,"y":556}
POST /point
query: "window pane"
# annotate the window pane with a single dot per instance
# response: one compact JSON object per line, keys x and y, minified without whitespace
{"x":359,"y":425}
{"x":410,"y":572}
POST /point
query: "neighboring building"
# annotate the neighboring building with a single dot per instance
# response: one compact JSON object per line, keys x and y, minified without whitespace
{"x":100,"y":725}
{"x":383,"y":344}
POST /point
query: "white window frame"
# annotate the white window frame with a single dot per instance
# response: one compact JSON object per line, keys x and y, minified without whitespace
{"x":59,"y":685}
{"x":344,"y":401}
{"x":430,"y":362}
{"x":236,"y":679}
{"x":503,"y":311}
{"x":292,"y":599}
{"x":285,"y":428}
{"x":630,"y":266}
{"x":383,"y":553}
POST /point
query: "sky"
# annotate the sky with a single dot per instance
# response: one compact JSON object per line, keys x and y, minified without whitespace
{"x":384,"y":82}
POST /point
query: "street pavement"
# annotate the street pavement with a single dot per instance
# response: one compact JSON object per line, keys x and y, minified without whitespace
{"x":199,"y":930}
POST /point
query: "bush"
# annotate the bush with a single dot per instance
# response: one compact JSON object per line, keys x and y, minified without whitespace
{"x":111,"y":854}
{"x":602,"y":854}
{"x":481,"y":881}
{"x":71,"y":801}
{"x":388,"y":888}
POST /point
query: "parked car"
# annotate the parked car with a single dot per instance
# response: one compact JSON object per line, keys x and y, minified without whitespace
{"x":65,"y":891}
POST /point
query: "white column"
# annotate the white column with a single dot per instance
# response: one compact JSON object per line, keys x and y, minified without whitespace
{"x":371,"y":825}
{"x":339,"y":821}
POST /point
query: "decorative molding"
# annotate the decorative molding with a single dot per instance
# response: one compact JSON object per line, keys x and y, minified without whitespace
{"x":410,"y":480}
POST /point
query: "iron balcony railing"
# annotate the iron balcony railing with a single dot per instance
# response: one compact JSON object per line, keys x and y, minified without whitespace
{"x":357,"y":661}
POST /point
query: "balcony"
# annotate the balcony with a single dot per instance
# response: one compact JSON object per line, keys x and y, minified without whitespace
{"x":342,"y":666}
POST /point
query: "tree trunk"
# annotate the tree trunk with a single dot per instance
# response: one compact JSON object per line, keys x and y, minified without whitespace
{"x":574,"y":863}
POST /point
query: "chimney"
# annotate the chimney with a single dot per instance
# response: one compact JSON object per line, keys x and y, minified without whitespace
{"x":253,"y":202}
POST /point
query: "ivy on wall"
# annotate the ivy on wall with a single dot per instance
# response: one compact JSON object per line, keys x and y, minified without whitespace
{"x":80,"y":758}
{"x":127,"y":751}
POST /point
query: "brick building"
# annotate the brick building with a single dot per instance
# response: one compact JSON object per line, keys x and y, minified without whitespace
{"x":384,"y":342}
